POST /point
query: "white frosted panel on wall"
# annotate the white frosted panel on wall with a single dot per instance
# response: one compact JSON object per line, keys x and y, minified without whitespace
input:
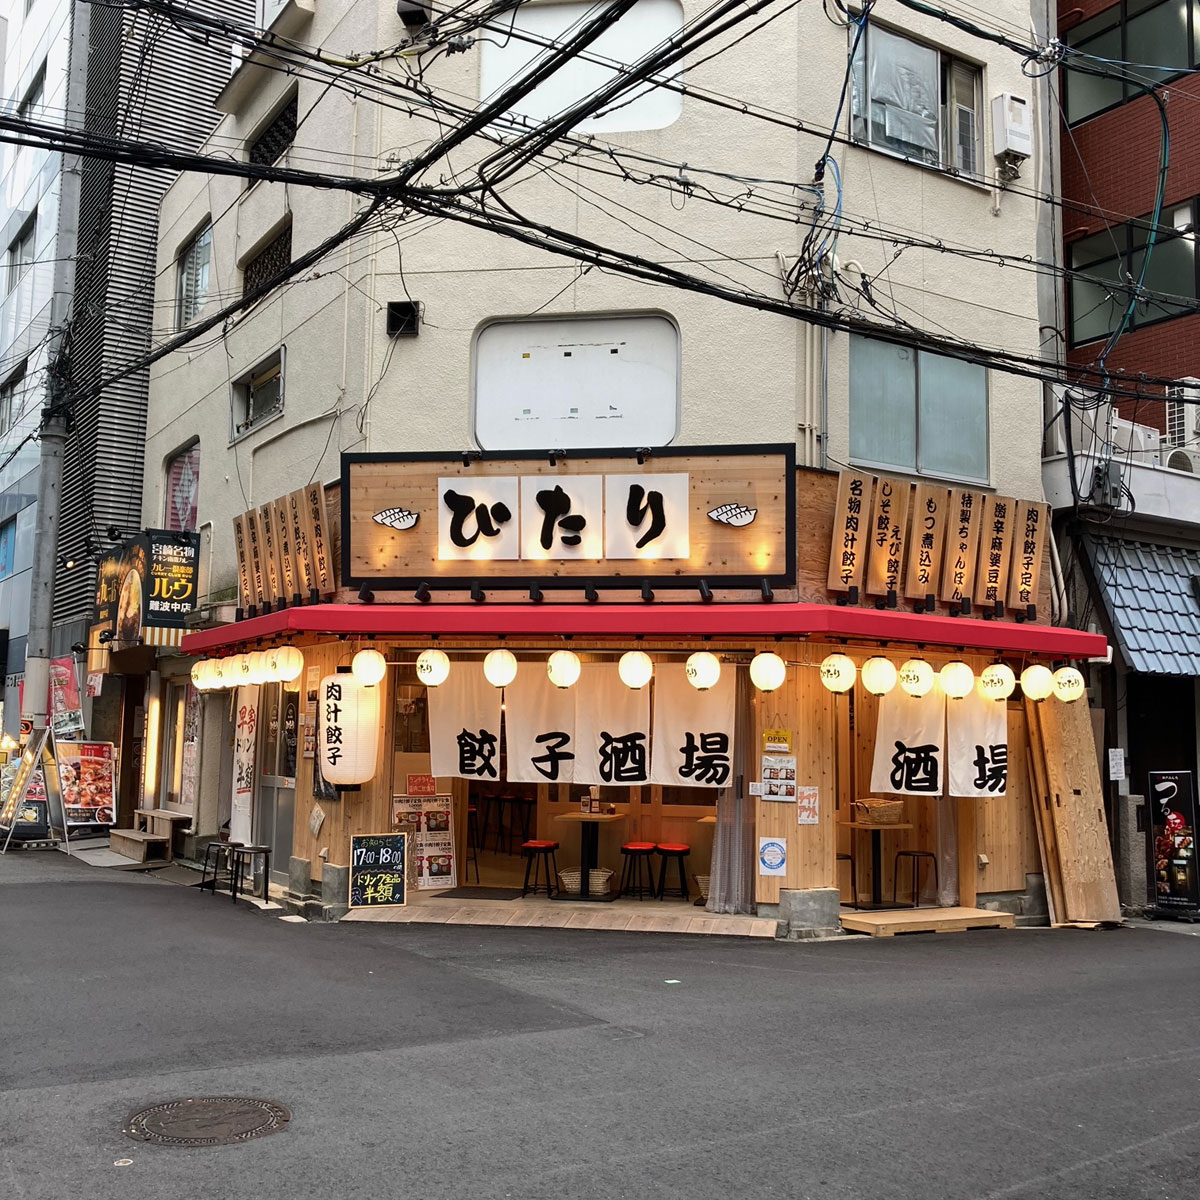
{"x":26,"y":532}
{"x":18,"y":604}
{"x":647,"y":24}
{"x":573,"y":384}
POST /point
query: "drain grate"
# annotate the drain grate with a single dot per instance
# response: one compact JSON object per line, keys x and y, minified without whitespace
{"x":207,"y":1121}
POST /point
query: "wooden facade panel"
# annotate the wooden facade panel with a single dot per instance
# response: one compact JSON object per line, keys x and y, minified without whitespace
{"x":1006,"y":832}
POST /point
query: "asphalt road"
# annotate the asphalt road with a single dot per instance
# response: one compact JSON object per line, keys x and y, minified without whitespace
{"x":454,"y":1062}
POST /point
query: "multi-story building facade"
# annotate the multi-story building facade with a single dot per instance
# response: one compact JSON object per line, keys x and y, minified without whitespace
{"x":1126,"y":487}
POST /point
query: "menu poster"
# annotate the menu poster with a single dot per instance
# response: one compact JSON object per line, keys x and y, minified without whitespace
{"x":779,"y":777}
{"x":87,"y":773}
{"x":312,"y":681}
{"x":1173,"y":840}
{"x":66,"y":708}
{"x":807,"y":806}
{"x":378,"y":870}
{"x":431,"y":819}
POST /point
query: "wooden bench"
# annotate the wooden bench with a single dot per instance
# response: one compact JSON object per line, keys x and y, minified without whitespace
{"x":159,"y":820}
{"x":139,"y":845}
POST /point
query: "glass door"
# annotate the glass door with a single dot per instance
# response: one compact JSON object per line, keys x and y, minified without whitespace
{"x":279,"y":716}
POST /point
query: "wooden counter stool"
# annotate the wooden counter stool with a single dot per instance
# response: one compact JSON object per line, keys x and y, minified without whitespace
{"x":678,"y":852}
{"x":853,"y":878}
{"x":637,"y":875}
{"x":916,"y":856}
{"x":218,"y":855}
{"x":536,"y":853}
{"x":243,"y":858}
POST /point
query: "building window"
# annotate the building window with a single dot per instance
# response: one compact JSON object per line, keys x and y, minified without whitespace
{"x":1106,"y":265}
{"x":273,"y":258}
{"x":35,"y":96}
{"x":8,"y":547}
{"x":11,"y":391}
{"x":1161,"y":38}
{"x":20,"y":252}
{"x":258,"y":395}
{"x":919,"y":412}
{"x":272,"y":143}
{"x":576,"y":383}
{"x":183,"y":490}
{"x":913,"y":100}
{"x":504,"y":60}
{"x":192,"y":288}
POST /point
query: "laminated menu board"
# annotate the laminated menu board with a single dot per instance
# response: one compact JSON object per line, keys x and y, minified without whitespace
{"x":87,"y":771}
{"x":378,"y":870}
{"x":1173,"y":841}
{"x":431,"y":820}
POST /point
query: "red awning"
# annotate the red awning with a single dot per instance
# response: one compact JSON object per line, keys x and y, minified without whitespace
{"x":752,"y":621}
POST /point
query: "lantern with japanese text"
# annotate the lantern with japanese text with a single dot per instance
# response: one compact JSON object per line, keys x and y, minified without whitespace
{"x":1069,"y":684}
{"x":635,"y":669}
{"x":563,"y":668}
{"x":767,"y":672}
{"x":368,"y":667}
{"x":703,"y":670}
{"x":500,"y":668}
{"x":838,"y":672}
{"x":289,"y":662}
{"x":432,"y":667}
{"x":916,"y":677}
{"x":957,"y":679}
{"x":878,"y":675}
{"x":997,"y":681}
{"x":1037,"y":682}
{"x":347,"y":729}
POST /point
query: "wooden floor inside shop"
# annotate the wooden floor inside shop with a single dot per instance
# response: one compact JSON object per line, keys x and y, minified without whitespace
{"x":891,"y":921}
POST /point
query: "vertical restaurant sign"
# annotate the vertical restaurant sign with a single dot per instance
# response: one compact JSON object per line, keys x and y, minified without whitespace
{"x":1173,"y":840}
{"x":958,"y":573}
{"x":1029,"y":543}
{"x":244,"y":741}
{"x":889,"y":520}
{"x":241,"y":544}
{"x":928,"y":540}
{"x":316,"y":526}
{"x":258,"y":567}
{"x":302,"y":557}
{"x":269,"y":548}
{"x":851,"y":531}
{"x":283,"y":549}
{"x":995,"y":549}
{"x":147,"y":587}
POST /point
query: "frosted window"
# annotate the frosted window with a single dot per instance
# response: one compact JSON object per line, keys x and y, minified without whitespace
{"x":952,"y":420}
{"x":883,"y":404}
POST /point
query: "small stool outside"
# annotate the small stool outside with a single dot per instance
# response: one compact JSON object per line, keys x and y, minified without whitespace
{"x":853,"y":878}
{"x":243,"y":857}
{"x":536,"y":853}
{"x":917,"y":856}
{"x":677,"y":852}
{"x":217,"y":854}
{"x":637,"y":875}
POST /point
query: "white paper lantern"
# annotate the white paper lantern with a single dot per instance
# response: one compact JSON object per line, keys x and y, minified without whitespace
{"x":563,"y":668}
{"x":767,"y":672}
{"x":703,"y":670}
{"x":289,"y":662}
{"x":916,"y":677}
{"x":219,"y":674}
{"x":347,"y":730}
{"x":878,"y":675}
{"x":270,"y":668}
{"x":838,"y":672}
{"x":256,"y":668}
{"x":1069,"y":684}
{"x":635,"y":668}
{"x":200,"y":676}
{"x":1037,"y":682}
{"x":368,"y":667}
{"x":500,"y":668}
{"x":241,"y":671}
{"x":997,"y":681}
{"x":432,"y":667}
{"x":957,"y":679}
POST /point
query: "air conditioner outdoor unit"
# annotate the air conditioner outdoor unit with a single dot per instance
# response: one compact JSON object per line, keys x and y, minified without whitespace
{"x":1184,"y":460}
{"x":1140,"y":443}
{"x":1183,"y":413}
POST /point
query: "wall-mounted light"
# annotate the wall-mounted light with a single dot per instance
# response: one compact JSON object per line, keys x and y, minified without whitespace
{"x":422,"y":592}
{"x":365,"y":594}
{"x":67,"y":563}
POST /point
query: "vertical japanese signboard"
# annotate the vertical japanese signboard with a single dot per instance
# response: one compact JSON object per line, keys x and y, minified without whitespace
{"x":927,"y":541}
{"x":851,"y":529}
{"x":241,"y":544}
{"x":269,"y":549}
{"x":302,"y":557}
{"x":995,"y":549}
{"x":889,"y":521}
{"x":962,"y":545}
{"x":316,"y":524}
{"x":285,"y":549}
{"x":258,"y":569}
{"x":1173,"y":841}
{"x":1029,"y":543}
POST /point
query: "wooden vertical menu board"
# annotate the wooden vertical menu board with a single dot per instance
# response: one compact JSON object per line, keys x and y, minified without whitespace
{"x":995,"y":549}
{"x":283,"y":549}
{"x":851,"y":530}
{"x":927,"y":541}
{"x":889,"y":526}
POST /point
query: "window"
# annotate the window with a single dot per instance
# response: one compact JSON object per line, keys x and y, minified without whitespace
{"x":35,"y":96}
{"x":915,"y":101}
{"x":20,"y":252}
{"x":915,"y":411}
{"x":574,"y":383}
{"x":649,"y":23}
{"x":1161,"y":37}
{"x":274,"y":257}
{"x":1105,"y":266}
{"x":258,"y":395}
{"x":11,"y":391}
{"x":183,"y":490}
{"x":192,"y":288}
{"x":8,"y":547}
{"x":272,"y":143}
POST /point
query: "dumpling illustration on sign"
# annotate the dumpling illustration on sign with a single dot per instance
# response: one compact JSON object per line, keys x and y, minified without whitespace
{"x":396,"y":518}
{"x":733,"y":514}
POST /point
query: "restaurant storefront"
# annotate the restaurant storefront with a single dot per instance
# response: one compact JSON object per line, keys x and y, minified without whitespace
{"x":796,"y":689}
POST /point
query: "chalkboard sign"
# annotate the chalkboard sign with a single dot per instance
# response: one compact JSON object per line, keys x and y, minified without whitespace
{"x":378,"y":863}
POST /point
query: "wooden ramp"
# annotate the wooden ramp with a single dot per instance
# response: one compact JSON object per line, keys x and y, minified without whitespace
{"x":890,"y":921}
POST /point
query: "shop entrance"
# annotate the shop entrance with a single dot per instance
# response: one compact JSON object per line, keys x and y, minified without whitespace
{"x":279,"y":719}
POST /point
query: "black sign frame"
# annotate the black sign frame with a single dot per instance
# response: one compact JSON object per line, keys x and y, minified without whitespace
{"x":378,"y":863}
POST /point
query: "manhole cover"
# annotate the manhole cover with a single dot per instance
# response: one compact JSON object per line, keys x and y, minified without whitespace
{"x":207,"y":1121}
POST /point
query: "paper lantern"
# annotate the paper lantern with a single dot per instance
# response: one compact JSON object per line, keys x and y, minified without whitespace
{"x":1069,"y":684}
{"x":271,"y":665}
{"x":1036,"y":682}
{"x":368,"y":667}
{"x":500,"y":668}
{"x":256,"y":667}
{"x":563,"y":668}
{"x":289,"y":662}
{"x":997,"y":681}
{"x":916,"y":677}
{"x":957,"y":679}
{"x":703,"y":670}
{"x":767,"y":672}
{"x":200,"y":676}
{"x":432,"y":667}
{"x":635,"y":668}
{"x":838,"y":672}
{"x":347,"y":730}
{"x":878,"y":675}
{"x":219,"y":675}
{"x":241,"y":671}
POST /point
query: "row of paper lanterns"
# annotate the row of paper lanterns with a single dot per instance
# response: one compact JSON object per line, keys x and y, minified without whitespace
{"x":281,"y":664}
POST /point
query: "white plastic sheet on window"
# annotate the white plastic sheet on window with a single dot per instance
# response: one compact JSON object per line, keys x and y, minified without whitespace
{"x":904,"y":89}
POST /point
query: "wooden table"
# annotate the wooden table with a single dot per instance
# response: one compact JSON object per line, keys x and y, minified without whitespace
{"x":589,"y":850}
{"x":712,"y":820}
{"x":876,"y":858}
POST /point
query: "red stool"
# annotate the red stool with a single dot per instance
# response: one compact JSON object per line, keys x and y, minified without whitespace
{"x":537,"y":853}
{"x":637,"y":865}
{"x":669,"y":851}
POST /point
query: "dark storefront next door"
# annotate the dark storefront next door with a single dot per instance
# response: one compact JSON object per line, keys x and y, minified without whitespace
{"x":279,"y":723}
{"x":1161,"y":719}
